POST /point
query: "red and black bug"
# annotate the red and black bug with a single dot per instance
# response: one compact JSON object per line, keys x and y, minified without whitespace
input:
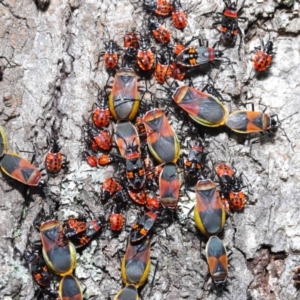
{"x":163,"y":69}
{"x":109,"y":187}
{"x":178,"y":71}
{"x":195,"y":161}
{"x":159,"y":7}
{"x":153,"y":204}
{"x":131,"y":39}
{"x":169,"y":186}
{"x":160,"y":33}
{"x":38,"y":267}
{"x":225,"y":174}
{"x":80,"y":231}
{"x":140,"y":126}
{"x":54,"y":159}
{"x":226,"y":177}
{"x":110,"y":55}
{"x":74,"y":226}
{"x":229,"y":24}
{"x":194,"y":56}
{"x":124,"y":99}
{"x":16,"y":167}
{"x":70,"y":289}
{"x":128,"y":142}
{"x":161,"y":136}
{"x":90,"y":159}
{"x":58,"y":252}
{"x":97,"y":139}
{"x":138,"y":196}
{"x":179,"y":17}
{"x":217,"y":260}
{"x":237,"y":198}
{"x":101,"y":113}
{"x":145,"y":56}
{"x":142,"y":227}
{"x":263,"y":56}
{"x":116,"y":219}
{"x":105,"y":159}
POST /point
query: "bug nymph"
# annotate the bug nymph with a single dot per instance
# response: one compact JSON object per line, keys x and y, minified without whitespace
{"x":263,"y":56}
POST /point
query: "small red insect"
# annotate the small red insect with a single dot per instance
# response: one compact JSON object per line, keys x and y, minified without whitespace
{"x":159,"y":7}
{"x":101,"y":113}
{"x":105,"y":159}
{"x":152,"y":204}
{"x":98,"y":139}
{"x":54,"y":158}
{"x":237,"y":198}
{"x":131,"y":39}
{"x":179,"y":17}
{"x":111,"y":56}
{"x":109,"y":187}
{"x":116,"y":219}
{"x":178,"y":71}
{"x":177,"y":48}
{"x":163,"y":69}
{"x":145,"y":56}
{"x":138,"y":196}
{"x":160,"y":33}
{"x":263,"y":57}
{"x":90,"y":159}
{"x":78,"y":225}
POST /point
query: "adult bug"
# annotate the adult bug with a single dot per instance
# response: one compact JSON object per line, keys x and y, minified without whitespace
{"x":136,"y":263}
{"x":128,"y":293}
{"x":70,"y":289}
{"x":217,"y":260}
{"x":202,"y":107}
{"x":160,"y":136}
{"x":58,"y":252}
{"x":124,"y":99}
{"x":169,"y":186}
{"x":209,"y":213}
{"x":246,"y":121}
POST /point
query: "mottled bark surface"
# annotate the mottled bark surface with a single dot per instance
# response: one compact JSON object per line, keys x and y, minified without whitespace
{"x":54,"y":58}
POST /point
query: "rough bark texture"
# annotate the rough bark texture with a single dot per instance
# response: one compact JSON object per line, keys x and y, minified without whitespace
{"x":55,"y":53}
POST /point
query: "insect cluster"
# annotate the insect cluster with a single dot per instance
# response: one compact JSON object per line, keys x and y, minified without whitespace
{"x":156,"y":165}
